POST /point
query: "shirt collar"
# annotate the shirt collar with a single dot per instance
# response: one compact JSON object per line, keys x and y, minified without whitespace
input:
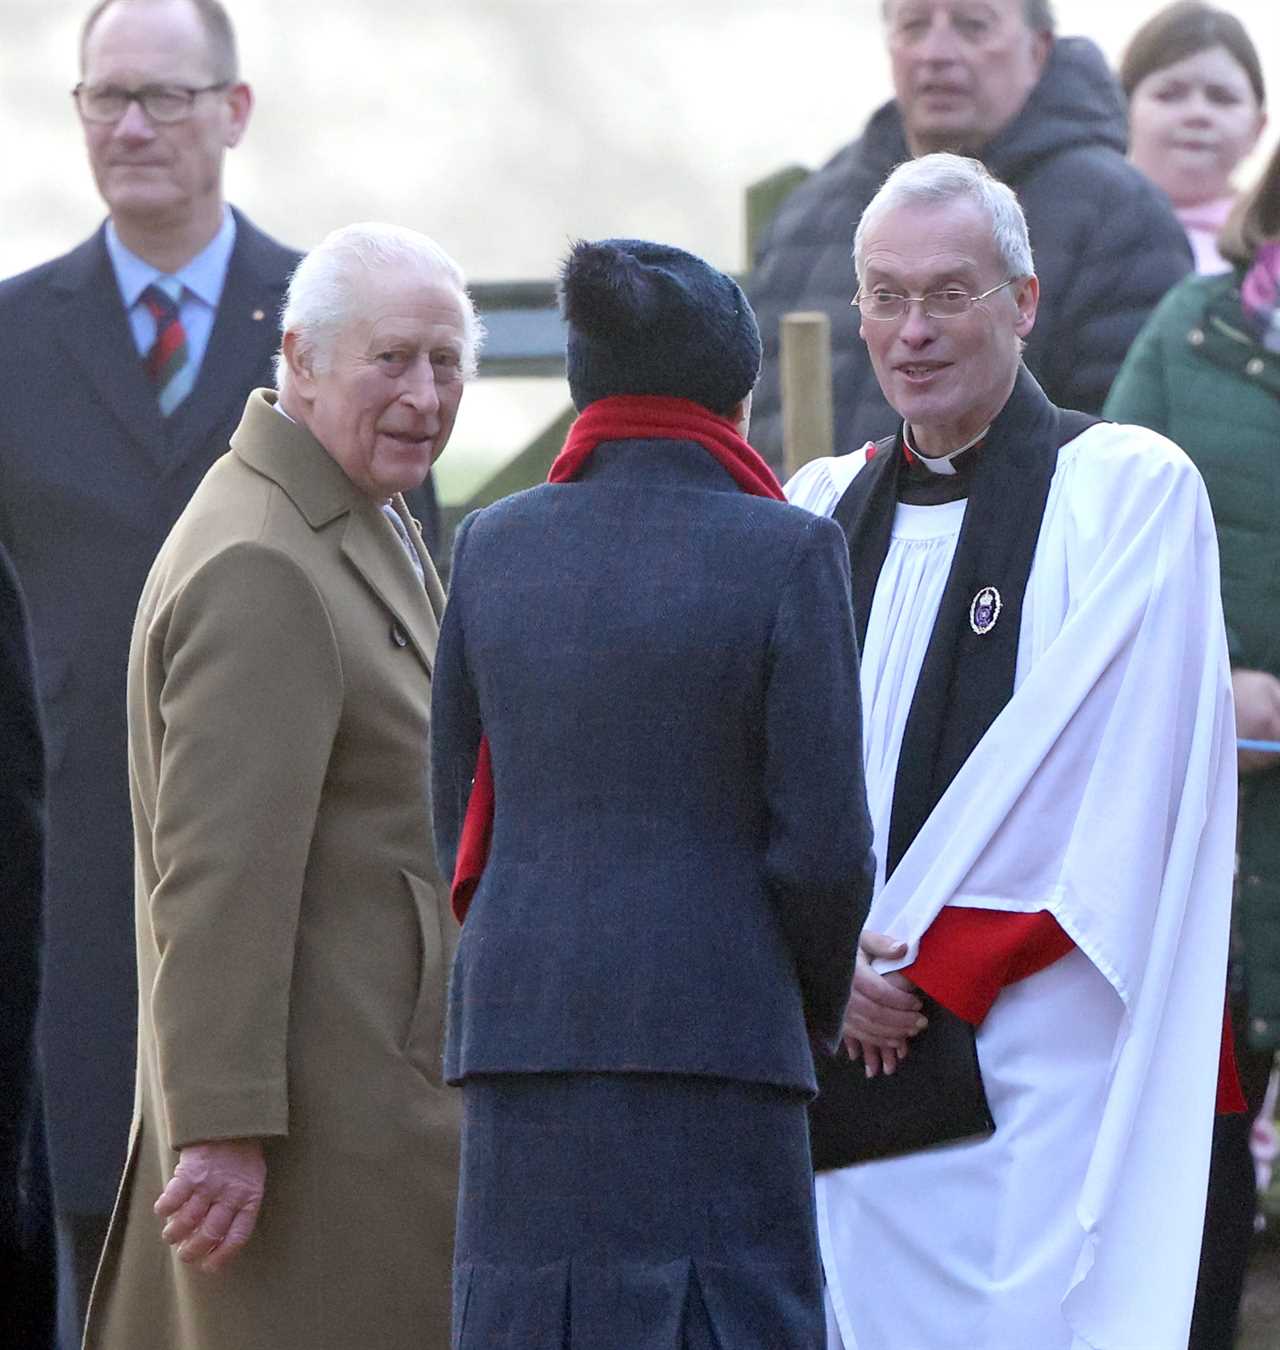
{"x":203,"y":276}
{"x":943,"y":465}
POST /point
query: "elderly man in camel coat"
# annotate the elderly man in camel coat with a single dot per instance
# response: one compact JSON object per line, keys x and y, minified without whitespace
{"x":292,"y":1171}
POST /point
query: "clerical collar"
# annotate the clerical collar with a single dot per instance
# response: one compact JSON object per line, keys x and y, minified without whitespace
{"x":943,"y":465}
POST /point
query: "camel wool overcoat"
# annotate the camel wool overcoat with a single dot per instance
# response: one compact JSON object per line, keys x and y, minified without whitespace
{"x":293,"y":933}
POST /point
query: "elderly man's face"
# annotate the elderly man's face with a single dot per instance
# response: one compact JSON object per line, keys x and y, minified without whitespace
{"x":159,"y":174}
{"x":962,"y":69}
{"x":947,"y":378}
{"x":384,"y":401}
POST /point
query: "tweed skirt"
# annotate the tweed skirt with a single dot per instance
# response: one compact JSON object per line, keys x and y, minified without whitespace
{"x":634,"y":1212}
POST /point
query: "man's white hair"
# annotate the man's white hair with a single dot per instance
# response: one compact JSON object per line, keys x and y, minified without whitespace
{"x":327,"y":285}
{"x":938,"y":180}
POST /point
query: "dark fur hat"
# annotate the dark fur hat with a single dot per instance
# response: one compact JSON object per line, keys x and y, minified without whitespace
{"x":650,"y":319}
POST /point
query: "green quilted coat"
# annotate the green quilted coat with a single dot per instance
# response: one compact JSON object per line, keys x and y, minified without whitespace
{"x":1196,"y":374}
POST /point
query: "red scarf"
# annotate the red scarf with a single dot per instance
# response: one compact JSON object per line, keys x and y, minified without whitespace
{"x":621,"y":418}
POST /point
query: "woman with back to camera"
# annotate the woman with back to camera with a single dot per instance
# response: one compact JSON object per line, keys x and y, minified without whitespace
{"x":1205,"y":371}
{"x":1197,"y":105}
{"x":648,"y":665}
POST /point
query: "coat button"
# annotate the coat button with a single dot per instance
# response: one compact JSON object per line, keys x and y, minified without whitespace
{"x":1255,"y":367}
{"x":1253,"y":881}
{"x":1260,"y":1026}
{"x":1196,"y":337}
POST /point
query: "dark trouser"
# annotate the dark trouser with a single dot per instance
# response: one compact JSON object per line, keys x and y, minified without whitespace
{"x":28,"y":1274}
{"x":1231,"y":1206}
{"x":80,"y":1241}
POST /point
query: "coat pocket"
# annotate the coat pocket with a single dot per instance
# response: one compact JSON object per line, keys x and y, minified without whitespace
{"x":423,"y":1042}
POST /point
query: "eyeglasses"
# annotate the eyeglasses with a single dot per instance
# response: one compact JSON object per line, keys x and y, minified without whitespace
{"x":948,"y":304}
{"x":161,"y":102}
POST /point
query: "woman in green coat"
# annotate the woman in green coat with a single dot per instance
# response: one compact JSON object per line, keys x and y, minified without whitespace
{"x":1205,"y":371}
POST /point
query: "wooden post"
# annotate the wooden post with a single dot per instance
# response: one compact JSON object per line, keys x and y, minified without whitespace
{"x":807,"y":424}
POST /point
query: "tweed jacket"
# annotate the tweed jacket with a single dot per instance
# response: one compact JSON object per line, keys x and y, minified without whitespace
{"x":292,"y":930}
{"x":666,"y":672}
{"x":1198,"y":375}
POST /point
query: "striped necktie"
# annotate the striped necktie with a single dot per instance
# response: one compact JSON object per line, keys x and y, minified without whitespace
{"x":168,"y":362}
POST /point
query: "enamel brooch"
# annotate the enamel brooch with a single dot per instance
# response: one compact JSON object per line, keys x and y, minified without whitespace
{"x":985,"y":610}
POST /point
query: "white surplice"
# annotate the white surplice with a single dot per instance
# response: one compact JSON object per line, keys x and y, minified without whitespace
{"x":1104,"y":793}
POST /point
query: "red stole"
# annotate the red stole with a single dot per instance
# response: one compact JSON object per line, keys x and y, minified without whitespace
{"x":620,"y":418}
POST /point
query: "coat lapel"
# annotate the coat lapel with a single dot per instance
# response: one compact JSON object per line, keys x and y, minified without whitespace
{"x":370,"y":545}
{"x":93,"y":328}
{"x":430,"y":578}
{"x":289,"y":455}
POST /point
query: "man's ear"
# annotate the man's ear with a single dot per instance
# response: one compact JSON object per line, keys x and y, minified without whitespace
{"x":1026,"y":295}
{"x":239,"y":104}
{"x":300,"y":358}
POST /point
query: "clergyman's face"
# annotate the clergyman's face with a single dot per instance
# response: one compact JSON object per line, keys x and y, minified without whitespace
{"x":962,"y":69}
{"x":948,"y":378}
{"x":159,"y":174}
{"x":383,"y":400}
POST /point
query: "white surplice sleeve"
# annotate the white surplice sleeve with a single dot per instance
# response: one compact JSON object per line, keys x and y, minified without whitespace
{"x":819,"y":485}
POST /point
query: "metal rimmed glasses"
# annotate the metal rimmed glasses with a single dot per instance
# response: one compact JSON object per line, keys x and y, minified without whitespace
{"x":950,"y":303}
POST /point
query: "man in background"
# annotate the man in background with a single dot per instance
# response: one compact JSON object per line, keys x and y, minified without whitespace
{"x":985,"y":78}
{"x":123,"y":368}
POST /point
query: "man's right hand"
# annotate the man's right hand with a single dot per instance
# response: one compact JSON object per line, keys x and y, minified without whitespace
{"x":883,"y":1011}
{"x":211,"y":1203}
{"x":1257,"y":700}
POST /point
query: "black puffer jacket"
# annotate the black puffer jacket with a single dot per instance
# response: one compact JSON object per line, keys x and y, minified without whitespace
{"x":1107,"y":247}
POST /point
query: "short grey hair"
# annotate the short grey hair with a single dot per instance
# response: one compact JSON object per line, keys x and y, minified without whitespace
{"x":1038,"y":14}
{"x":937,"y":180}
{"x":325,"y":288}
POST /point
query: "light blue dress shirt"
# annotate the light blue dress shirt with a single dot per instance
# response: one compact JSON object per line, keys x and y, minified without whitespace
{"x":202,"y":280}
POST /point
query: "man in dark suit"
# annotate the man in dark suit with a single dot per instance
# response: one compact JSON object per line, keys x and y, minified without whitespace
{"x":124,"y":366}
{"x":27,"y":1279}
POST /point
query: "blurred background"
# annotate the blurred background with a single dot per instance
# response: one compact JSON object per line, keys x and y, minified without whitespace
{"x":503,"y":128}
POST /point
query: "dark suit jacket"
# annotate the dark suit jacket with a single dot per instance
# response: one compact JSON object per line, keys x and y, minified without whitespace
{"x":681,"y":859}
{"x":91,"y":480}
{"x":27,"y":1281}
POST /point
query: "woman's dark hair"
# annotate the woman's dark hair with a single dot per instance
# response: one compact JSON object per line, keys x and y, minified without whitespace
{"x":1256,"y":218}
{"x":1181,"y":30}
